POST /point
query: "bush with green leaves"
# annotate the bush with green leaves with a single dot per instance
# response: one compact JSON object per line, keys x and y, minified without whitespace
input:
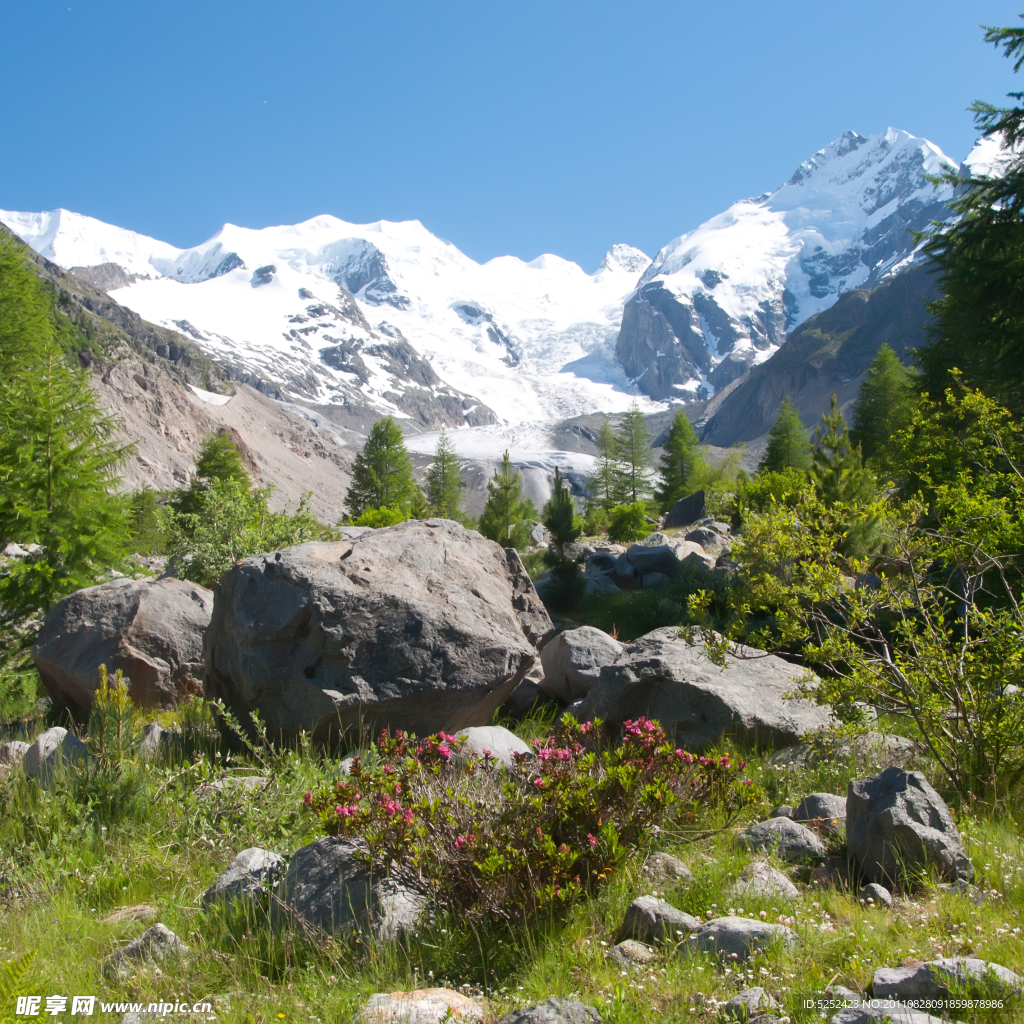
{"x":628,"y":523}
{"x":489,"y":843}
{"x":379,"y":518}
{"x":933,"y":631}
{"x":233,"y":522}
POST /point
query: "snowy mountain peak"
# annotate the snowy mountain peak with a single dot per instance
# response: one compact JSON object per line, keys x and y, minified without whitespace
{"x":721,"y":298}
{"x":625,"y":258}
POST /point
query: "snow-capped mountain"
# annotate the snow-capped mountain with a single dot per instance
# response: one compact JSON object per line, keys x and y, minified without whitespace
{"x":721,"y":298}
{"x":385,"y":314}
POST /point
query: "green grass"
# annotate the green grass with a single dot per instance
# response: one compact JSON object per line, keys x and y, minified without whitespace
{"x":144,"y":835}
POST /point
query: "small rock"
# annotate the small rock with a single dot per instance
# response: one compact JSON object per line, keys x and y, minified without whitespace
{"x":573,"y":660}
{"x":13,"y":752}
{"x":553,"y":1011}
{"x":761,"y":879}
{"x":156,"y":945}
{"x":631,"y":953}
{"x":938,"y":979}
{"x":154,"y":738}
{"x":791,"y":842}
{"x":651,"y":920}
{"x":824,"y":812}
{"x":877,"y":893}
{"x":740,"y":935}
{"x":748,"y":1004}
{"x":247,"y":878}
{"x":249,"y":783}
{"x":655,"y":581}
{"x":667,"y":870}
{"x":496,"y":741}
{"x":896,"y":821}
{"x":53,"y":747}
{"x":141,"y":912}
{"x":704,"y":537}
{"x":782,"y":811}
{"x":421,"y":1006}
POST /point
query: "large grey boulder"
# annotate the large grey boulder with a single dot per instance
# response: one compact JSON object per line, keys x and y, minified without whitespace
{"x":150,"y":629}
{"x":896,"y":822}
{"x":156,"y":945}
{"x":687,"y":510}
{"x":247,"y":878}
{"x":327,"y":889}
{"x":422,"y":626}
{"x":663,"y":677}
{"x":651,"y":920}
{"x":51,"y":748}
{"x":645,"y":559}
{"x":740,"y":935}
{"x":938,"y":979}
{"x":553,"y":1011}
{"x":494,"y":741}
{"x":790,"y":841}
{"x":573,"y":661}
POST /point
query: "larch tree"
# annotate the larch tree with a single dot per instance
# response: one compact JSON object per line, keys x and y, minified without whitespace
{"x":788,"y":444}
{"x":444,"y":480}
{"x":382,"y":472}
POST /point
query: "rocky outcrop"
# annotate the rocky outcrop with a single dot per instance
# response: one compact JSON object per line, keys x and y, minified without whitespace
{"x":938,"y":979}
{"x":328,"y":889}
{"x":896,"y":822}
{"x":423,"y":626}
{"x":150,"y":629}
{"x":663,"y":677}
{"x":573,"y":661}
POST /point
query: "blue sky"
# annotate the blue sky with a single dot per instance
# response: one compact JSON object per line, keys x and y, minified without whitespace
{"x":517,"y":128}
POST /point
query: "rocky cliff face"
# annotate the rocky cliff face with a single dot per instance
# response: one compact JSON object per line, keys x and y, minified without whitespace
{"x":723,"y":298}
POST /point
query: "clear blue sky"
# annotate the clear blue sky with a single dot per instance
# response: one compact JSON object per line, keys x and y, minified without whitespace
{"x":522,"y":128}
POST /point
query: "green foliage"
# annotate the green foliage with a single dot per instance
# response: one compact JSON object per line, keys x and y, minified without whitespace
{"x":560,"y":516}
{"x":113,"y":722}
{"x":628,"y":523}
{"x":885,"y":406}
{"x":938,"y":636}
{"x":681,"y":462}
{"x":978,"y":323}
{"x":541,"y":837}
{"x":788,"y":446}
{"x":58,"y":454}
{"x":232,"y":523}
{"x":605,"y":487}
{"x":12,"y":984}
{"x":506,"y":514}
{"x":418,"y":507}
{"x":444,"y":481}
{"x":219,"y":462}
{"x":769,"y":488}
{"x":382,"y":471}
{"x":633,"y":455}
{"x":379,"y":518}
{"x":147,"y":522}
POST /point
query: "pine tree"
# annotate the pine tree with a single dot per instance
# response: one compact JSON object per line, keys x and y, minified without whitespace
{"x":444,"y":480}
{"x":219,"y":462}
{"x":884,"y":406}
{"x":633,"y":453}
{"x":681,"y":462}
{"x":560,"y":516}
{"x":419,"y":508}
{"x":58,"y":453}
{"x":978,"y":325}
{"x":505,"y":513}
{"x":382,"y":472}
{"x":788,"y":446}
{"x":604,"y":488}
{"x":838,"y":472}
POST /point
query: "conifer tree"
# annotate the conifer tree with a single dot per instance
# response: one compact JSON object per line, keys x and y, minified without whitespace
{"x":681,"y":461}
{"x":59,"y":457}
{"x":788,"y":446}
{"x":633,"y":453}
{"x":444,"y":480}
{"x":419,"y":507}
{"x":838,"y":472}
{"x":560,"y":516}
{"x":884,"y":406}
{"x":604,"y":488}
{"x":382,"y":472}
{"x":505,"y":513}
{"x":219,"y":463}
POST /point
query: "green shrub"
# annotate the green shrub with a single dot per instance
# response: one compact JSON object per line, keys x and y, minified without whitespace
{"x":504,"y":845}
{"x":378,"y":518}
{"x":628,"y":523}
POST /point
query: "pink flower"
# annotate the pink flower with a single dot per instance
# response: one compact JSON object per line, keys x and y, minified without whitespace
{"x":538,"y":782}
{"x":591,"y":839}
{"x":391,"y":807}
{"x":444,"y":750}
{"x":345,"y":812}
{"x":388,"y":769}
{"x":748,"y":782}
{"x":308,"y":799}
{"x":407,"y":815}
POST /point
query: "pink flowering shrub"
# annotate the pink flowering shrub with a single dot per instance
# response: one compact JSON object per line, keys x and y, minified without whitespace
{"x":504,"y":844}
